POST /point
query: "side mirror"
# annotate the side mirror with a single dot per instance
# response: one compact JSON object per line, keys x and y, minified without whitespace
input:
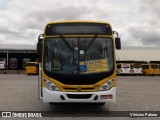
{"x":118,"y":43}
{"x":39,"y":47}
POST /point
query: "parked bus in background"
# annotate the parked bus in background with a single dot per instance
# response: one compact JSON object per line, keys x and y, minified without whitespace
{"x":25,"y":60}
{"x":136,"y":68}
{"x":2,"y":63}
{"x":13,"y":63}
{"x":78,"y":62}
{"x":123,"y":69}
{"x":32,"y":68}
{"x":150,"y":69}
{"x":156,"y":62}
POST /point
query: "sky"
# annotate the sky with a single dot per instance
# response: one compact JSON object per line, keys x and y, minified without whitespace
{"x":137,"y":21}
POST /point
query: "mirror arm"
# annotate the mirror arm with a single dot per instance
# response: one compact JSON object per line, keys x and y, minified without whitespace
{"x":115,"y":32}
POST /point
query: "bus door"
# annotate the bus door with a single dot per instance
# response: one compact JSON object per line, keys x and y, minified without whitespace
{"x":145,"y":69}
{"x":39,"y":51}
{"x":40,"y":93}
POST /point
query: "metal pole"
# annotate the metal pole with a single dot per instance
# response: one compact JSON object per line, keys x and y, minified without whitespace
{"x":7,"y":59}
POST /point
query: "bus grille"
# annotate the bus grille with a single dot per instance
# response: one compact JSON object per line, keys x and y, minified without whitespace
{"x":79,"y":96}
{"x":91,"y":89}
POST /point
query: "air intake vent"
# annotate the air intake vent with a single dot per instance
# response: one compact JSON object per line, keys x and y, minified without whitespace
{"x":79,"y":96}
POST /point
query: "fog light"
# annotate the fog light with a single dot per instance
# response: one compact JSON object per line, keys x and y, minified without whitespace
{"x":96,"y":97}
{"x":106,"y":96}
{"x":62,"y":97}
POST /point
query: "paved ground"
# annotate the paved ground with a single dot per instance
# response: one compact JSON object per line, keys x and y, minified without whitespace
{"x":19,"y":92}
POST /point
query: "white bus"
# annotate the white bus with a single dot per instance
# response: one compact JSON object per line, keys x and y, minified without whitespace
{"x":123,"y":69}
{"x":2,"y":63}
{"x":136,"y":69}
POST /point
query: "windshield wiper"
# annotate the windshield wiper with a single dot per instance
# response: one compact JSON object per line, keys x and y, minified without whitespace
{"x":65,"y":41}
{"x":89,"y":45}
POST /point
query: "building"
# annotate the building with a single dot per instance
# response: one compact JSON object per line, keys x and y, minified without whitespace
{"x":19,"y":52}
{"x":138,"y":53}
{"x":127,"y":53}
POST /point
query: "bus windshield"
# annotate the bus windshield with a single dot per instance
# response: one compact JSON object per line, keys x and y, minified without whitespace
{"x":78,"y":55}
{"x":145,"y":66}
{"x":137,"y":66}
{"x":2,"y":59}
{"x":30,"y":64}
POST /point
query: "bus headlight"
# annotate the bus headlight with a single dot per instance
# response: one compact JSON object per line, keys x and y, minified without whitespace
{"x":107,"y":86}
{"x":51,"y":86}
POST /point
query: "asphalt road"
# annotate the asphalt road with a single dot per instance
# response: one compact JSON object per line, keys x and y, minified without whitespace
{"x":19,"y":92}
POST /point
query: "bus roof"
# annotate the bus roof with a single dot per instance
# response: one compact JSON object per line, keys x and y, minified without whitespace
{"x":93,"y":28}
{"x":78,"y":21}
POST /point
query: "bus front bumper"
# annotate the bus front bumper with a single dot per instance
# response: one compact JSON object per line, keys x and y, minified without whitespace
{"x":79,"y":97}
